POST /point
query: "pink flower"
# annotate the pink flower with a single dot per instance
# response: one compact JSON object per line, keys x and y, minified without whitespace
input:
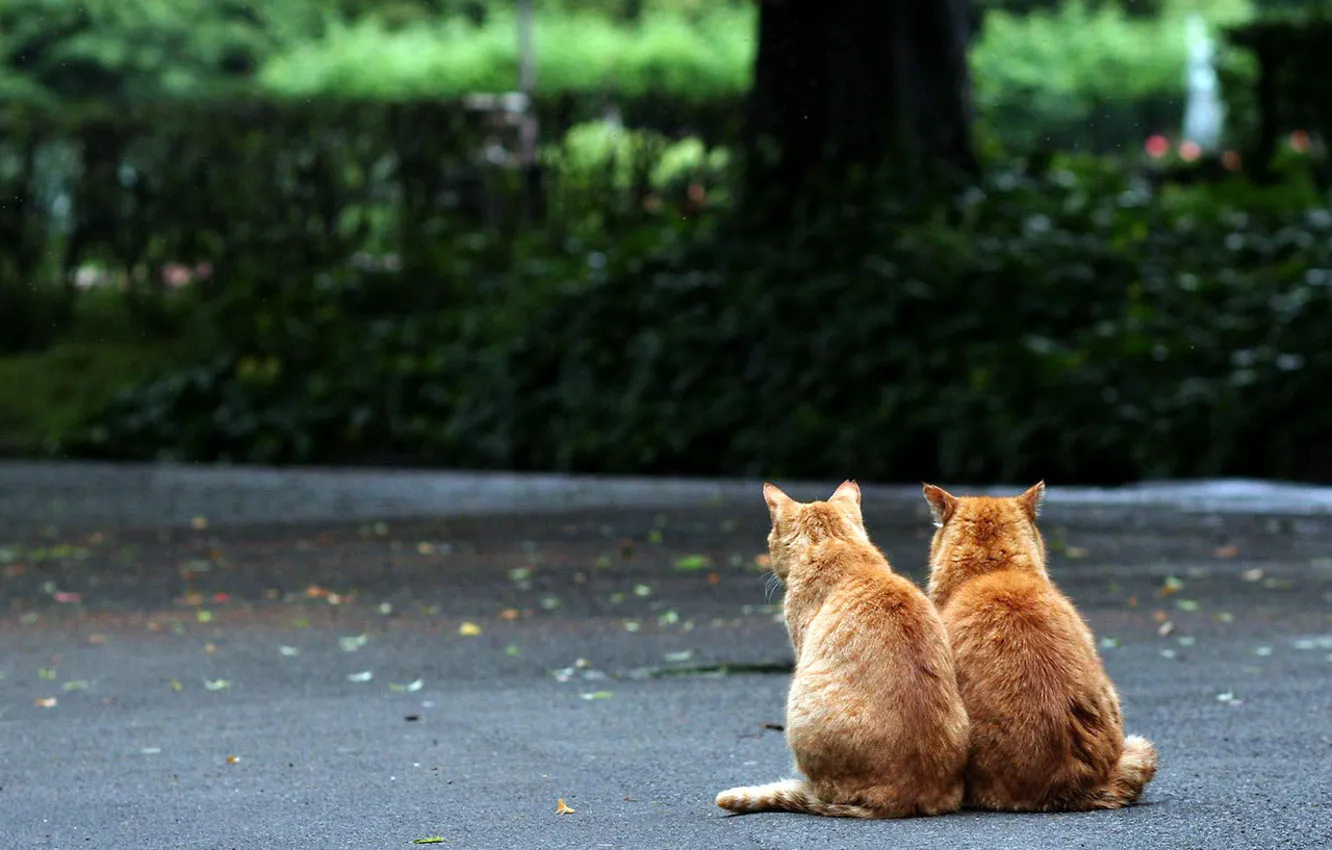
{"x":1189,"y":151}
{"x":1157,"y":146}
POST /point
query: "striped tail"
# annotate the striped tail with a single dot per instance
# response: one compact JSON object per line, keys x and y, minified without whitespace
{"x":789,"y":795}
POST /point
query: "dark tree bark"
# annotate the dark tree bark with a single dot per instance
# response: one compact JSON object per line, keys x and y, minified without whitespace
{"x":847,"y":88}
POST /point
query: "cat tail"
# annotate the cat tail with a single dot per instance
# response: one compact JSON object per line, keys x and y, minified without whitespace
{"x":1137,"y":766}
{"x":789,"y":795}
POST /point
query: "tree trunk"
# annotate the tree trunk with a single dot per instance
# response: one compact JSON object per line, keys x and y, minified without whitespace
{"x":847,"y":89}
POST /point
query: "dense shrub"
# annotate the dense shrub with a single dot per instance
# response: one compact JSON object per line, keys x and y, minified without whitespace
{"x":1075,"y":323}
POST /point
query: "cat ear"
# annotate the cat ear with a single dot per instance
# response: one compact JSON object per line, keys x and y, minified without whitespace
{"x":776,"y":499}
{"x":848,"y":491}
{"x":942,"y":504}
{"x":1032,"y":499}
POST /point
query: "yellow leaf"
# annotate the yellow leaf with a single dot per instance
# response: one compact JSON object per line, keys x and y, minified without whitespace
{"x":563,"y":808}
{"x":469,"y":629}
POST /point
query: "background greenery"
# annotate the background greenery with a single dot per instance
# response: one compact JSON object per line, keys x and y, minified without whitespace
{"x":363,"y":285}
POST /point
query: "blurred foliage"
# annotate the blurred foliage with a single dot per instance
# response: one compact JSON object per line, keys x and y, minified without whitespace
{"x":1085,"y":74}
{"x":1070,"y":321}
{"x":118,"y":50}
{"x":1287,"y":48}
{"x":698,"y":56}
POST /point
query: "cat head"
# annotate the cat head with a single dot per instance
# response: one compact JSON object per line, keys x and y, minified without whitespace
{"x":987,"y":530}
{"x":796,"y":526}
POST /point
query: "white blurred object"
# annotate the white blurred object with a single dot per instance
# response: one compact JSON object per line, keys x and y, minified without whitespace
{"x":1204,"y":113}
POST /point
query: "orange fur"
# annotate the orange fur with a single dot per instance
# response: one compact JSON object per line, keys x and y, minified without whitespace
{"x":1046,"y":729}
{"x":873,"y":717}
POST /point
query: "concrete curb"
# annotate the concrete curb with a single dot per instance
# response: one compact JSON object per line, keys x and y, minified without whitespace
{"x":173,"y":495}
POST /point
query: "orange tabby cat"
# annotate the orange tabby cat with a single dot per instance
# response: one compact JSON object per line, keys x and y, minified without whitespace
{"x":873,"y":717}
{"x":1046,"y":730}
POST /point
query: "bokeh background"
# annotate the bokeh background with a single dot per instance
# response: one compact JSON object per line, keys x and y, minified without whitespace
{"x":988,"y":240}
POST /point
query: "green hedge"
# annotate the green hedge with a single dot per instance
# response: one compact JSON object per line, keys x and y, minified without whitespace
{"x":1076,"y":324}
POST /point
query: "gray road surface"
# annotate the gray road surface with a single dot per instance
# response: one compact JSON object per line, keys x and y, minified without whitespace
{"x":183,"y":660}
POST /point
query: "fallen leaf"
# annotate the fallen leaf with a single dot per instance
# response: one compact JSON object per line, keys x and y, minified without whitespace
{"x":1186,"y":605}
{"x":1171,"y":586}
{"x":1225,"y":551}
{"x":714,"y":578}
{"x":597,"y":695}
{"x":386,"y":608}
{"x":1109,"y":643}
{"x":1227,"y":697}
{"x":1263,"y":651}
{"x":654,"y":537}
{"x":46,"y":702}
{"x":469,"y":630}
{"x":233,"y":759}
{"x":176,"y":685}
{"x":364,"y":676}
{"x":684,"y":655}
{"x":562,"y":808}
{"x":46,"y":673}
{"x":199,"y":523}
{"x":62,"y":596}
{"x":217,"y":684}
{"x":1225,"y":617}
{"x":669,"y":618}
{"x":434,"y":839}
{"x":509,"y":614}
{"x":1166,"y":628}
{"x":511,"y":650}
{"x":520,"y":574}
{"x":314,"y":591}
{"x":689,"y":563}
{"x":1160,"y":616}
{"x":632,"y":625}
{"x":1254,"y":574}
{"x":642,"y":590}
{"x":204,"y":616}
{"x":550,"y":603}
{"x":410,"y":687}
{"x":210,"y":648}
{"x":289,"y":651}
{"x":75,"y":685}
{"x":425,"y":548}
{"x":351,"y":643}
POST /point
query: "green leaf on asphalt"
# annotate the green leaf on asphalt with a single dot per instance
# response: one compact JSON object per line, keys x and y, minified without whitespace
{"x":597,"y":695}
{"x":692,"y":562}
{"x":434,"y":839}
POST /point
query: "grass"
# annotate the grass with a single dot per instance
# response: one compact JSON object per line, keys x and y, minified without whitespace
{"x":45,"y":393}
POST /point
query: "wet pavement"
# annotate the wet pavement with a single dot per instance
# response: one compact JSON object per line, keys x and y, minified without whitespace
{"x":196,"y":658}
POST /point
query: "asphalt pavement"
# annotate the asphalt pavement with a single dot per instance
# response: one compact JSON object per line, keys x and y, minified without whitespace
{"x":203,"y":658}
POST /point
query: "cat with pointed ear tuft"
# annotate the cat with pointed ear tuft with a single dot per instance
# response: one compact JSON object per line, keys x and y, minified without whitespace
{"x":1047,"y":733}
{"x":873,"y":718}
